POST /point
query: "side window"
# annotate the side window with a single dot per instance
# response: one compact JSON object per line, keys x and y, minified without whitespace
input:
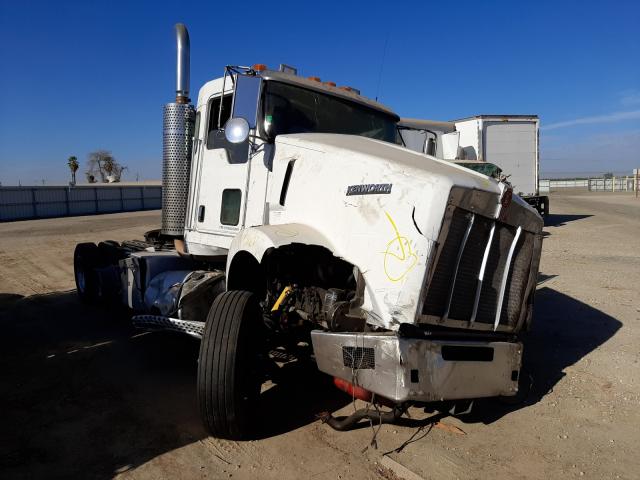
{"x":230,"y":210}
{"x":214,"y":115}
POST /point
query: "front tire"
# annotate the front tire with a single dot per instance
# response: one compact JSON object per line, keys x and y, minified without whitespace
{"x":229,"y":365}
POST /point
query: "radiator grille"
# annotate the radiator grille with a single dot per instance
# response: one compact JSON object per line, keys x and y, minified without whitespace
{"x":359,"y":357}
{"x":452,"y":293}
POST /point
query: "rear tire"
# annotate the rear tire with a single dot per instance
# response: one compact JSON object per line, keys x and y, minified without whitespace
{"x":230,"y":365}
{"x":110,"y":252}
{"x":85,"y":261}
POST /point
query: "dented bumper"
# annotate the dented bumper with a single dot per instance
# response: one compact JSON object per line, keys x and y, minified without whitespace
{"x":409,"y":369}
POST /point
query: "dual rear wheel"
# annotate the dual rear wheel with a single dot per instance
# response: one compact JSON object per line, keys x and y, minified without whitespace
{"x":86,"y":258}
{"x":95,"y":270}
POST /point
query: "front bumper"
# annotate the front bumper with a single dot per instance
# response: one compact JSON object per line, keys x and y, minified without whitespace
{"x":409,"y":369}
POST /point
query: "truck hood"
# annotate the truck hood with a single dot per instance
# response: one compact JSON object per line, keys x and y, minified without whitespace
{"x":391,"y":159}
{"x":377,"y":205}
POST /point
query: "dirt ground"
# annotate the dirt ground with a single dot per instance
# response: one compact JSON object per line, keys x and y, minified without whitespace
{"x":83,"y":394}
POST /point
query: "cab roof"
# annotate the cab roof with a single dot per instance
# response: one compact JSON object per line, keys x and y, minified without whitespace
{"x":324,"y":88}
{"x":214,"y":87}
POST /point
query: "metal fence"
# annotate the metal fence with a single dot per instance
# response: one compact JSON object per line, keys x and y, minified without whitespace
{"x":614,"y":184}
{"x":543,"y":186}
{"x":21,"y":203}
{"x":569,"y":183}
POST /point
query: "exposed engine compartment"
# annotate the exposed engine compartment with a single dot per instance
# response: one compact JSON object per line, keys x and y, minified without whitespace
{"x":309,"y":284}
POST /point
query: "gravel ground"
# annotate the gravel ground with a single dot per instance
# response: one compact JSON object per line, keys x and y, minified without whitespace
{"x":83,"y":394}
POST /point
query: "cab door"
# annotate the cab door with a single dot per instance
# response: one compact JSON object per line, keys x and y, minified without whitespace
{"x":224,"y":166}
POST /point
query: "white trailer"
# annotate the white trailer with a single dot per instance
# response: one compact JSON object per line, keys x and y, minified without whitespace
{"x":294,"y":221}
{"x":510,"y":142}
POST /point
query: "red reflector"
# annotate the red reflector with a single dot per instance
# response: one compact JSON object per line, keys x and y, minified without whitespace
{"x":353,"y":390}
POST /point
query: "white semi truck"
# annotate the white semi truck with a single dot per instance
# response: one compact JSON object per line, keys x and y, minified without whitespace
{"x":293,"y":220}
{"x":483,"y":142}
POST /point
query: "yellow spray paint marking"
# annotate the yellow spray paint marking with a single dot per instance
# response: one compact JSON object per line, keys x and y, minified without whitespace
{"x":399,"y":257}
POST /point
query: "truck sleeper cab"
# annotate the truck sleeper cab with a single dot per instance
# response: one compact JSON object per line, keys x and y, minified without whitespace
{"x":296,"y":222}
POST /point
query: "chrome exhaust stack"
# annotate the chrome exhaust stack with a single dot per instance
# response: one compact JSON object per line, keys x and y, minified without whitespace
{"x":177,"y":141}
{"x":183,"y":63}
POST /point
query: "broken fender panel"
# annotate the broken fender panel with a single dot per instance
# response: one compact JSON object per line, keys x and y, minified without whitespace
{"x":257,"y":240}
{"x":385,"y":302}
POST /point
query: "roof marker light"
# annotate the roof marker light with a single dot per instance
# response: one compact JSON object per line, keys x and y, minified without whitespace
{"x":315,"y":79}
{"x":330,"y":84}
{"x":259,"y":67}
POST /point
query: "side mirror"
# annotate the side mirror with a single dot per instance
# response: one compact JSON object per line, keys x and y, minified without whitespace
{"x":246,"y":98}
{"x":236,"y":130}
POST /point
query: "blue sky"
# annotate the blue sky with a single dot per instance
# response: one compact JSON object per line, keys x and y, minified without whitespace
{"x":80,"y":76}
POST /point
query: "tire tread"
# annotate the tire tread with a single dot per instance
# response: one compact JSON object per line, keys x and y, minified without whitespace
{"x":217,"y":364}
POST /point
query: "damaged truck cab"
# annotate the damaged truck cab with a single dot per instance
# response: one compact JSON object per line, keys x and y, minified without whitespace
{"x":294,"y":221}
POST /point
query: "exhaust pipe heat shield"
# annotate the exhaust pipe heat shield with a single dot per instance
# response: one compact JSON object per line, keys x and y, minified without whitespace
{"x":177,"y":140}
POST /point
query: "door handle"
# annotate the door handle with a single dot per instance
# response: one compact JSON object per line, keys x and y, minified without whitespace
{"x":201,"y":213}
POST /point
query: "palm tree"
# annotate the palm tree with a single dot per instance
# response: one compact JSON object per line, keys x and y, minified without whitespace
{"x":73,"y":166}
{"x":108,"y":166}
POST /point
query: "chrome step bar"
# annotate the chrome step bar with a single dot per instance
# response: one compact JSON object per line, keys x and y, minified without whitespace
{"x":159,"y":322}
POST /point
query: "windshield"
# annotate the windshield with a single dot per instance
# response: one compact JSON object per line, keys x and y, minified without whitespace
{"x":291,"y":109}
